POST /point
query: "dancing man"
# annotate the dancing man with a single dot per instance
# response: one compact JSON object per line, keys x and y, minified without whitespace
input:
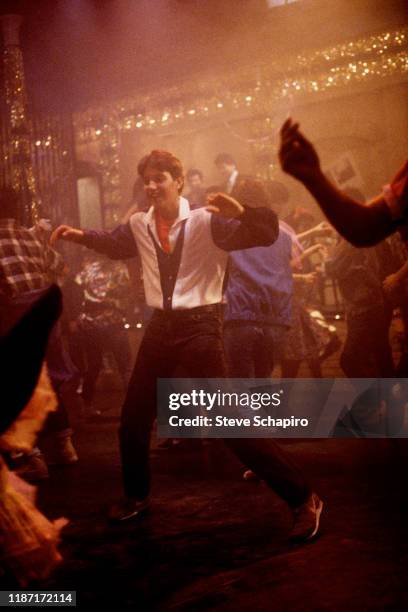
{"x":184,"y":255}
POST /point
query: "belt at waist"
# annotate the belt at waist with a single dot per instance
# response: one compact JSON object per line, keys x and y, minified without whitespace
{"x":211,"y":309}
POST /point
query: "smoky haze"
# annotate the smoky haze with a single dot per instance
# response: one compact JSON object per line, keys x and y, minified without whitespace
{"x":82,"y":52}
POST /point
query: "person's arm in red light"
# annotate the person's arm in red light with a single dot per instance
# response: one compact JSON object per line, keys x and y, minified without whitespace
{"x":362,"y":225}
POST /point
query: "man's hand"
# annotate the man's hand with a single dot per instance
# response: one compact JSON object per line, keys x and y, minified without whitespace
{"x":310,"y":278}
{"x":297,"y":155}
{"x":323,"y":229}
{"x":222,"y":204}
{"x":66,"y":232}
{"x":320,"y":248}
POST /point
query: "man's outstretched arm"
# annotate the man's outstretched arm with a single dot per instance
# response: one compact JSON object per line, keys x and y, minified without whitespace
{"x":362,"y":225}
{"x":116,"y":244}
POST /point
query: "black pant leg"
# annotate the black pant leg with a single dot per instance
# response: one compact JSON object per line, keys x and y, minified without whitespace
{"x":203,"y":357}
{"x":241,"y":343}
{"x":273,"y":465}
{"x":154,"y":360}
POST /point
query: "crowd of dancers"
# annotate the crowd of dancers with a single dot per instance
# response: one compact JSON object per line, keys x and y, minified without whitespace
{"x":221,"y":287}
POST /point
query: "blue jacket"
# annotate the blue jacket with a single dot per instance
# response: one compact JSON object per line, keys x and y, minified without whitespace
{"x":260,"y":284}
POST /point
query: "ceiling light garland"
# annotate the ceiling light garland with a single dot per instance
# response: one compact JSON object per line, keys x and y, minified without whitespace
{"x":253,"y":88}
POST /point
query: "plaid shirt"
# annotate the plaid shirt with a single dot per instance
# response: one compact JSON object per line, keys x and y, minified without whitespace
{"x":27,"y":262}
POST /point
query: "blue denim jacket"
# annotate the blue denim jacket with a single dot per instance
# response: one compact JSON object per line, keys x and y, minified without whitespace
{"x":260,"y":284}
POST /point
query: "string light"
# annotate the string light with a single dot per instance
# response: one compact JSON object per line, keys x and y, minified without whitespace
{"x":376,"y":56}
{"x":21,"y":143}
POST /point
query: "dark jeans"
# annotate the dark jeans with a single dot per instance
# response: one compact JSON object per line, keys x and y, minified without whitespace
{"x":367,"y":352}
{"x":192,"y":340}
{"x":64,"y":379}
{"x":252,"y":349}
{"x":98,"y":340}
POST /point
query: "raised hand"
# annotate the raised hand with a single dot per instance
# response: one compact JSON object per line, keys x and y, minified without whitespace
{"x":297,"y":155}
{"x":224,"y":205}
{"x":66,"y":232}
{"x":318,"y":248}
{"x":315,"y":248}
{"x":324,"y":228}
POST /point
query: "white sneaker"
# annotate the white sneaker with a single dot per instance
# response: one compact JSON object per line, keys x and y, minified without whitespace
{"x":307,"y":519}
{"x":128,"y":508}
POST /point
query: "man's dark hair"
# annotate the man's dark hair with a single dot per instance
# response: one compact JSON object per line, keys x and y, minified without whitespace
{"x":164,"y":161}
{"x":224,"y":158}
{"x":251,"y":193}
{"x":194,"y":172}
{"x":9,"y":203}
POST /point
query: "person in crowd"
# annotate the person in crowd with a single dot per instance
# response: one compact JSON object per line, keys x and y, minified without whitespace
{"x":362,"y":225}
{"x":73,"y":297}
{"x":184,"y":255}
{"x":197,"y":196}
{"x":28,"y":539}
{"x":234,"y":183}
{"x":102,"y":319}
{"x":395,"y":286}
{"x":28,"y":265}
{"x":301,"y":219}
{"x":310,"y":338}
{"x":258,"y":308}
{"x":360,"y":274}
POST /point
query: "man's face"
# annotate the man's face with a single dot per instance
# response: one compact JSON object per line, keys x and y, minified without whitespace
{"x":161,"y":188}
{"x":195,"y":182}
{"x":225,"y":170}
